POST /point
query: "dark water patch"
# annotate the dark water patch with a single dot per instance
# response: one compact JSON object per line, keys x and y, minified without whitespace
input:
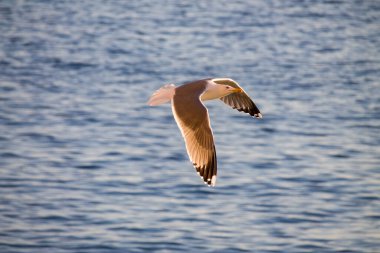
{"x":93,"y":247}
{"x":10,"y":155}
{"x":373,"y":217}
{"x":55,"y":218}
{"x":189,"y":219}
{"x":328,"y":50}
{"x":162,"y":245}
{"x":280,"y":234}
{"x":117,"y":51}
{"x":4,"y":88}
{"x":89,"y":166}
{"x":368,"y":198}
{"x":233,"y":249}
{"x":194,"y":190}
{"x":313,"y":248}
{"x":18,"y":123}
{"x":15,"y":246}
{"x":176,"y":157}
{"x":323,"y":146}
{"x":270,"y":193}
{"x":309,"y":134}
{"x":4,"y":63}
{"x":113,"y":153}
{"x":40,"y":137}
{"x":115,"y":183}
{"x":317,"y":214}
{"x":299,"y":179}
{"x":289,"y":157}
{"x":11,"y":185}
{"x":62,"y":65}
{"x":341,"y":156}
{"x":295,"y":220}
{"x":265,"y":165}
{"x":269,"y":130}
{"x":136,"y":158}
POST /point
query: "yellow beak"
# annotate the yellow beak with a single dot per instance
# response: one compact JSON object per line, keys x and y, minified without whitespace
{"x":238,"y":90}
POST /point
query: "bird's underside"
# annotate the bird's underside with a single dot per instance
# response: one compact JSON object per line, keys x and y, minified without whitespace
{"x":193,"y":120}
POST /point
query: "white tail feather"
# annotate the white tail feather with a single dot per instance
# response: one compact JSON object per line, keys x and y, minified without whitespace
{"x":162,"y":95}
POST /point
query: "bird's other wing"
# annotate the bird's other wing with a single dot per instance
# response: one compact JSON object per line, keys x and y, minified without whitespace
{"x":193,"y":121}
{"x":239,"y":100}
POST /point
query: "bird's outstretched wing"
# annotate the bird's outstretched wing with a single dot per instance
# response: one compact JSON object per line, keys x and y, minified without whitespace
{"x":193,"y":121}
{"x":239,"y":100}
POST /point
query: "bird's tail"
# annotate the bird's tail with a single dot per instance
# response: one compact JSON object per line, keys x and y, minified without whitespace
{"x":162,"y":95}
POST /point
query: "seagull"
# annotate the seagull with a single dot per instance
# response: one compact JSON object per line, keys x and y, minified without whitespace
{"x":193,"y":120}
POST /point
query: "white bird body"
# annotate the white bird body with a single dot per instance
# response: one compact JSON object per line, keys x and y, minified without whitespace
{"x":193,"y":120}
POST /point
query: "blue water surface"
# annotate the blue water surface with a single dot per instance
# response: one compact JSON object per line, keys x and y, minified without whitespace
{"x":87,"y":166}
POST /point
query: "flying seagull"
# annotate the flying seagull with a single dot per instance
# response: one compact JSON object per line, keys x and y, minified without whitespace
{"x":193,"y":120}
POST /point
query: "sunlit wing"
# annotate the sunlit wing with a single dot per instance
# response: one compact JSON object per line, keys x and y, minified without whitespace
{"x":239,"y":100}
{"x":193,"y":120}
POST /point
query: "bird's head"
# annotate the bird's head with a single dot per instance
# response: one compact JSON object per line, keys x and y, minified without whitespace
{"x":227,"y":85}
{"x":227,"y":89}
{"x":216,"y":90}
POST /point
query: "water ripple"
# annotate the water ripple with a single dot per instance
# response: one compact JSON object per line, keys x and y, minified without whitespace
{"x":86,"y":166}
